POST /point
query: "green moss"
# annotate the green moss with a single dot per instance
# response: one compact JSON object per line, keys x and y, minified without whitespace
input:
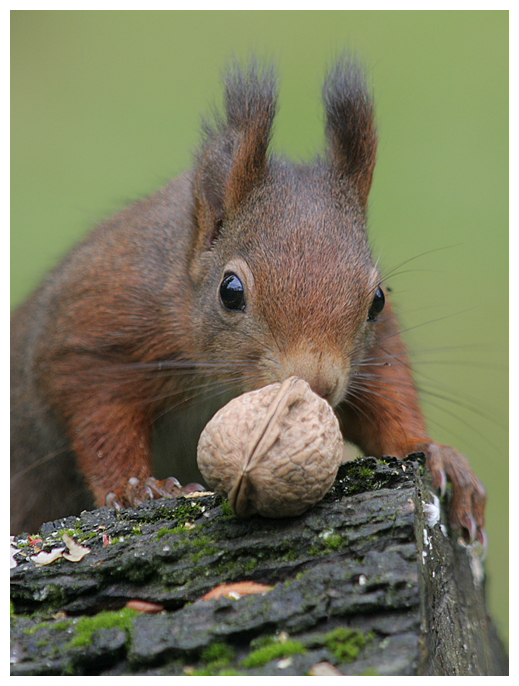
{"x":187,"y":511}
{"x":326,"y":546}
{"x":218,"y":653}
{"x":56,"y":626}
{"x":43,"y":642}
{"x":71,"y":532}
{"x":87,"y":537}
{"x":334,"y":541}
{"x":209,"y":671}
{"x":262,"y":641}
{"x":250,"y":564}
{"x":182,"y":514}
{"x":227,"y":509}
{"x":53,"y":595}
{"x":175,"y":530}
{"x":357,"y":477}
{"x":202,"y":545}
{"x":196,"y":557}
{"x":116,"y":540}
{"x":215,"y":658}
{"x":162,"y":532}
{"x":164,"y":512}
{"x":87,"y":626}
{"x":345,"y":644}
{"x":201,"y":541}
{"x":274,"y":651}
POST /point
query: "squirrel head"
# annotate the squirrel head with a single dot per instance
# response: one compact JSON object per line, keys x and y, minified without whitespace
{"x":279,"y":257}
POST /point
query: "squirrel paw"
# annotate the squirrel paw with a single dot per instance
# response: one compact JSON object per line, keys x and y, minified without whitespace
{"x":138,"y":491}
{"x":469,"y":495}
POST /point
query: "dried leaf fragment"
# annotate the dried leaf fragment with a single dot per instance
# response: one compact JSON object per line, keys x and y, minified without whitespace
{"x":76,"y":552}
{"x":145,"y":606}
{"x":236,"y":590}
{"x":274,"y":451}
{"x":325,"y":669}
{"x":34,"y":541}
{"x":13,"y":552}
{"x":43,"y":558}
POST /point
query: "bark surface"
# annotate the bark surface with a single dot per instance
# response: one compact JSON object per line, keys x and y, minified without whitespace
{"x":366,"y":582}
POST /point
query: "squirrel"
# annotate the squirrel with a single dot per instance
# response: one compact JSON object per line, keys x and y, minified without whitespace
{"x":242,"y":272}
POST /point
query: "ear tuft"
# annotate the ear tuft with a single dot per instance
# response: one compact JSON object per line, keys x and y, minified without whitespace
{"x":233,"y":158}
{"x":350,"y":124}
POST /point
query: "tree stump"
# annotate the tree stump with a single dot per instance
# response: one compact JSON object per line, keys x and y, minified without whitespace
{"x":366,"y":582}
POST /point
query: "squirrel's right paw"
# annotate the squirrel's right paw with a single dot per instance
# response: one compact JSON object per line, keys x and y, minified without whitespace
{"x":138,"y":491}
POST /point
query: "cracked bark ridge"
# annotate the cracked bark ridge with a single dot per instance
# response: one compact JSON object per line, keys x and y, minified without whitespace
{"x":365,"y":581}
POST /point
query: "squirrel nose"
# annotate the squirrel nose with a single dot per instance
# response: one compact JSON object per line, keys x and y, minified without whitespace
{"x":322,"y":386}
{"x":325,"y":373}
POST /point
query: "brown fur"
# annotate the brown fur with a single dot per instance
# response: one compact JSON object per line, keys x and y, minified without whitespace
{"x":131,"y":323}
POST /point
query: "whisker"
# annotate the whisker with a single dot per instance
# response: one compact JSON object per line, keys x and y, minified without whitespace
{"x":37,"y":463}
{"x":461,"y":421}
{"x":392,"y":271}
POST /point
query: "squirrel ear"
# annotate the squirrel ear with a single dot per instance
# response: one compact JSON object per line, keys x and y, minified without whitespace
{"x":233,"y":157}
{"x":350,"y":125}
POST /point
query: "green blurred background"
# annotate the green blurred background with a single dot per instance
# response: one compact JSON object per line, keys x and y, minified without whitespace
{"x":106,"y":108}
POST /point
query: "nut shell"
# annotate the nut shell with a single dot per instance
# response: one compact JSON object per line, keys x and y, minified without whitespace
{"x":274,"y":451}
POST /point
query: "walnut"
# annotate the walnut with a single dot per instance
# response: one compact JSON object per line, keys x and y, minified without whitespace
{"x":274,"y":451}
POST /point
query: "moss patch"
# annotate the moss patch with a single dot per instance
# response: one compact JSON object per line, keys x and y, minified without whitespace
{"x":272,"y":649}
{"x":365,"y":475}
{"x":344,"y":644}
{"x":214,"y":661}
{"x":87,"y":626}
{"x":227,"y":510}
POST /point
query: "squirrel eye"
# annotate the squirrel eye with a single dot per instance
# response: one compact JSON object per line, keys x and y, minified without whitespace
{"x":377,"y":305}
{"x":232,"y":293}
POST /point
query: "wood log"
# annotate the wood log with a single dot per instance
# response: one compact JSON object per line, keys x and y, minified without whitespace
{"x":366,"y":582}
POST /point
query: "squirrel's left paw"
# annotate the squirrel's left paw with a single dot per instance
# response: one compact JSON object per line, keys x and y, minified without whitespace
{"x":137,"y":491}
{"x":467,"y":510}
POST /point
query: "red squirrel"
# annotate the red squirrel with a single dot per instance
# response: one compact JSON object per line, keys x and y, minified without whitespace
{"x":242,"y":272}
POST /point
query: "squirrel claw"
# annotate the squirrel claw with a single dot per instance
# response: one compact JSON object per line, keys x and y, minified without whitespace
{"x":468,"y":494}
{"x":193,"y":488}
{"x":483,"y":539}
{"x":112,"y":501}
{"x":138,"y":491}
{"x":443,"y":484}
{"x":170,"y":483}
{"x":469,"y":528}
